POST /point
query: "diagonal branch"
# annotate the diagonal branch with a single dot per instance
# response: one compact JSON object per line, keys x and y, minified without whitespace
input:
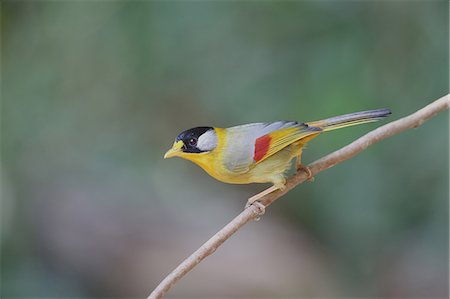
{"x":252,"y":212}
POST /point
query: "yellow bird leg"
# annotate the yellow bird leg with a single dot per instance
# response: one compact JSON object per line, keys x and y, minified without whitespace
{"x":300,"y":167}
{"x":260,"y":195}
{"x":300,"y":145}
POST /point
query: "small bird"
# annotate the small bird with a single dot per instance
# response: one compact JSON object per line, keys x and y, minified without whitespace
{"x":258,"y":152}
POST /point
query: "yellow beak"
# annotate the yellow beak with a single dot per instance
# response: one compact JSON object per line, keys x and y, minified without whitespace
{"x":175,"y":150}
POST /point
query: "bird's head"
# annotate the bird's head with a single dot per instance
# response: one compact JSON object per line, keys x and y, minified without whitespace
{"x":193,"y":141}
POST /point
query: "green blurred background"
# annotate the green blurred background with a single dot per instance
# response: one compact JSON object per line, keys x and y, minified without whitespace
{"x":95,"y":92}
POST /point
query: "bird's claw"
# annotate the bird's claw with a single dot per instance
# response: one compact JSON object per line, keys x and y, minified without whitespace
{"x":261,"y":208}
{"x":307,"y":170}
{"x":255,"y":200}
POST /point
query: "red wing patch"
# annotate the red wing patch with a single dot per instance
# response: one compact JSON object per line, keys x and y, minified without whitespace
{"x":262,"y":146}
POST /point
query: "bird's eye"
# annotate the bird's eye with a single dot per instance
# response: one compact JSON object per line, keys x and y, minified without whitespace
{"x":192,"y":141}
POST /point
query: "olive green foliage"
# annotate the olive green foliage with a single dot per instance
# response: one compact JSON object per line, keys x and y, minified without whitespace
{"x":93,"y":93}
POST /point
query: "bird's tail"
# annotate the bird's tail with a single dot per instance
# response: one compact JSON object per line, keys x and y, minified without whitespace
{"x":351,"y":119}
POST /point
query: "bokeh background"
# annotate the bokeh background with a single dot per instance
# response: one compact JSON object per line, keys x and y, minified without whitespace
{"x":94,"y":92}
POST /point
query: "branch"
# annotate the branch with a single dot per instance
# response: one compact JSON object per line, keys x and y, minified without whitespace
{"x":252,"y":212}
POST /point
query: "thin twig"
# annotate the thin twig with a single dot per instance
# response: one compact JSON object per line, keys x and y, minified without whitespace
{"x":412,"y":121}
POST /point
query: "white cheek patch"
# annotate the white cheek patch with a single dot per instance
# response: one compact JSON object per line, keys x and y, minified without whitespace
{"x":207,"y":141}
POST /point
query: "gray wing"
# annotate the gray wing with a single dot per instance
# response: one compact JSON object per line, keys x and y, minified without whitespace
{"x":240,"y":143}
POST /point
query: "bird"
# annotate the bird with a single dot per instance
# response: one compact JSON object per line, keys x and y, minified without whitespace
{"x":258,"y":152}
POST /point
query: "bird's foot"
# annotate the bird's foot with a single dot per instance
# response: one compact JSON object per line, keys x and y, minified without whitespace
{"x":254,"y":200}
{"x":307,"y":170}
{"x":257,"y":204}
{"x":261,"y":209}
